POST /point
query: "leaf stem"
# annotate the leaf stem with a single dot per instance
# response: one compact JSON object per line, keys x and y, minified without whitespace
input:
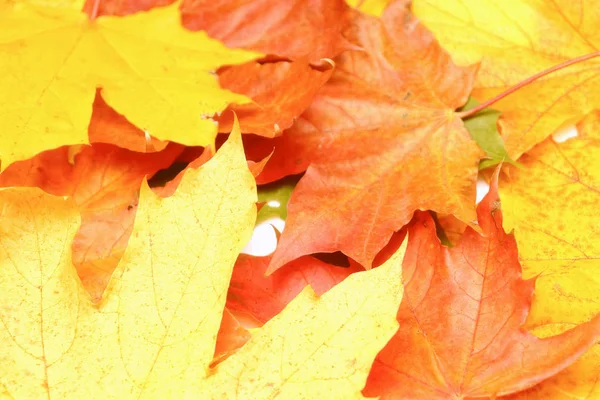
{"x":95,"y":8}
{"x":533,"y":78}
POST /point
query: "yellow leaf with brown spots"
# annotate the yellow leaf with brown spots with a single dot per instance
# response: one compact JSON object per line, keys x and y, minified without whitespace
{"x":153,"y":333}
{"x":515,"y":40}
{"x":552,"y":204}
{"x":152,"y":336}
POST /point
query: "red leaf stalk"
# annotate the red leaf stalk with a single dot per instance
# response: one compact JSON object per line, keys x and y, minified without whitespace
{"x":533,"y":78}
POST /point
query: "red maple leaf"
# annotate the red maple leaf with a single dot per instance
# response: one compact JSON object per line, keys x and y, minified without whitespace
{"x":461,"y":319}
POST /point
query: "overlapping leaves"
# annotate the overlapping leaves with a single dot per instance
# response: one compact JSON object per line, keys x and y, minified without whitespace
{"x":390,"y":143}
{"x":366,"y":108}
{"x":153,"y":333}
{"x":140,"y":62}
{"x":514,"y":45}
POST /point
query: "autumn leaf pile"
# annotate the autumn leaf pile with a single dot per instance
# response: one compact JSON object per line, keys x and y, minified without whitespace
{"x":134,"y":133}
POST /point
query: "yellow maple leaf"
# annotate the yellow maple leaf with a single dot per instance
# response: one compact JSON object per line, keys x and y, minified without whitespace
{"x":152,"y":335}
{"x":552,"y":204}
{"x":514,"y":41}
{"x":317,"y":348}
{"x":149,"y":67}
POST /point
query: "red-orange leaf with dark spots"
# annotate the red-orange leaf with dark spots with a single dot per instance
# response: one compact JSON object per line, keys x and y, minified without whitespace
{"x":461,"y":319}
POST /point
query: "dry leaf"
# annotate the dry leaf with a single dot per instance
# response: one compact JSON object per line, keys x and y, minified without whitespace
{"x":514,"y":42}
{"x":47,"y":97}
{"x":290,"y":29}
{"x":317,"y":347}
{"x":461,"y":319}
{"x":552,"y":205}
{"x":391,"y":145}
{"x":290,"y":153}
{"x":108,"y":126}
{"x":153,"y":333}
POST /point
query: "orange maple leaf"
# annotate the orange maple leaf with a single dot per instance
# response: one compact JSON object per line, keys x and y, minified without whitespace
{"x":231,"y":336}
{"x":291,"y":29}
{"x":462,"y":317}
{"x":391,"y":144}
